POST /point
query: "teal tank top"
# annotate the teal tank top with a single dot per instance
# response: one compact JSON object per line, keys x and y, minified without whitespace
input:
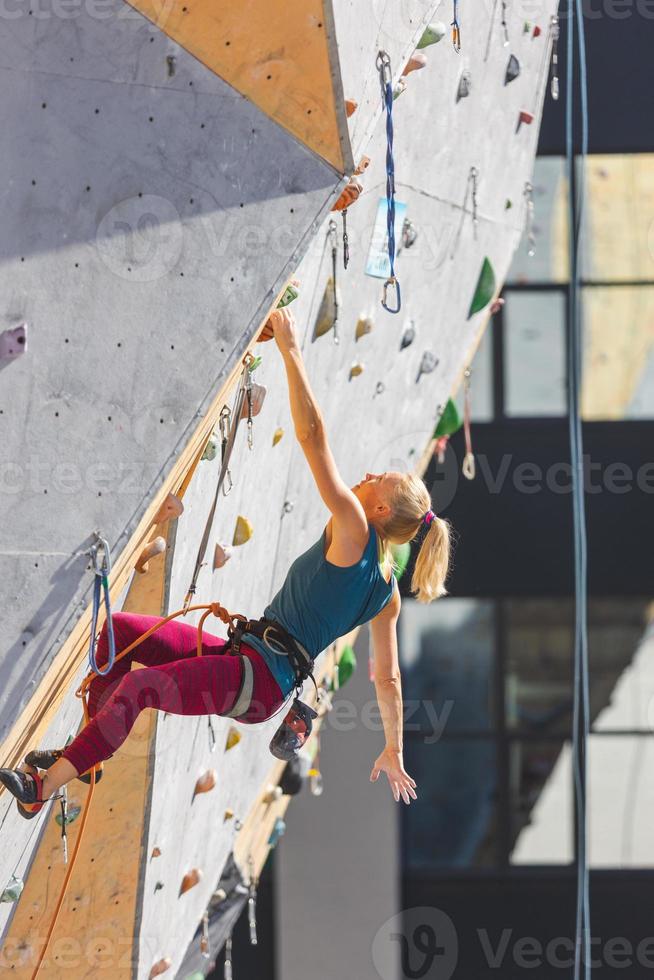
{"x":320,"y":601}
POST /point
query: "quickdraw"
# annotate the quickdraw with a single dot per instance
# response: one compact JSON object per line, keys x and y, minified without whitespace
{"x":392,"y":284}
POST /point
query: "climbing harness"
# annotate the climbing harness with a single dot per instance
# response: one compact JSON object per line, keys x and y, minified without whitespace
{"x":333,"y":241}
{"x":468,"y":466}
{"x":102,"y":569}
{"x":392,"y":283}
{"x":228,"y":426}
{"x":277,"y":639}
{"x":456,"y":28}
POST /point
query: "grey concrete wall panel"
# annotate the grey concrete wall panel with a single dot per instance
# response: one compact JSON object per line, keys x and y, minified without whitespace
{"x":138,"y":306}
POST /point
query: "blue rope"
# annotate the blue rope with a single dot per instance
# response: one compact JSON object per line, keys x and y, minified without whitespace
{"x":384,"y":66}
{"x":581,"y":703}
{"x":100,"y":587}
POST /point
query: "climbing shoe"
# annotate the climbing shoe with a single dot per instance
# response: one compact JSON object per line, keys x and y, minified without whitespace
{"x":27,"y":788}
{"x":45,"y":758}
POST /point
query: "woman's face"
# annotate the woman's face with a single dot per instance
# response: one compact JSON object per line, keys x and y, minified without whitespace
{"x":375,"y":492}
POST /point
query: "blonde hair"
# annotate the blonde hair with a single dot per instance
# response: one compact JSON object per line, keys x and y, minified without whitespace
{"x":410,"y":503}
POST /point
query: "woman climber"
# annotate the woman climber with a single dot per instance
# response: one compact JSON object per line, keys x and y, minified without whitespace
{"x":343,"y":580}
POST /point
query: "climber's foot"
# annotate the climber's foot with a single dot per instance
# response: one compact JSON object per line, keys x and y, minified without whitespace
{"x":27,"y":788}
{"x":45,"y":758}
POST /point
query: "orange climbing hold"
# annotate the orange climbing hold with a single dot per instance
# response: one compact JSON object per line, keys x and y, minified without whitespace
{"x":417,"y":61}
{"x":350,"y":194}
{"x":350,"y":107}
{"x":155,"y":547}
{"x":161,"y":966}
{"x":190,"y":880}
{"x":206,"y":782}
{"x":172,"y":507}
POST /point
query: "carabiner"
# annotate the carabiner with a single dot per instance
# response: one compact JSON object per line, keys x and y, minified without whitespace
{"x":101,"y":544}
{"x":384,"y":67}
{"x":393,"y":283}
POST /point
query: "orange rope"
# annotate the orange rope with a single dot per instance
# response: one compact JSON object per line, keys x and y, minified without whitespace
{"x":214,"y":608}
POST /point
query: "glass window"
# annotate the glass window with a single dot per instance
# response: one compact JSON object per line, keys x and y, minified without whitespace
{"x":538,"y":665}
{"x":534,"y":353}
{"x":618,"y":240}
{"x":481,"y":381}
{"x":453,"y":823}
{"x":621,"y":654}
{"x":619,"y":352}
{"x":621,"y":801}
{"x":541,"y":803}
{"x":549,"y":263}
{"x":447,"y":663}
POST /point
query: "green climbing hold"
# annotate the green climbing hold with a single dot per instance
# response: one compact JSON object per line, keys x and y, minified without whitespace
{"x":255,"y":362}
{"x":401,"y":555}
{"x":72,"y":814}
{"x":449,"y":422}
{"x":290,"y":293}
{"x":485,"y":288}
{"x":432,"y":35}
{"x":13,"y":891}
{"x":346,"y":665}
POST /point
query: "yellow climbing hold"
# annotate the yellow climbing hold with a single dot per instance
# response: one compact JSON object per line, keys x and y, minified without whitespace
{"x":243,"y":531}
{"x":277,"y":435}
{"x":328,"y":312}
{"x":356,"y":370}
{"x":229,"y":814}
{"x":364,"y":326}
{"x":233,"y":738}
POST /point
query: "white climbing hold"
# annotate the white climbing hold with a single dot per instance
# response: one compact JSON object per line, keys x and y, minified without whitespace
{"x":221,"y":555}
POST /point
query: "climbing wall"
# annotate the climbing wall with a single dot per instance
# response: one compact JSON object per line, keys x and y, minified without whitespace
{"x":144,"y":242}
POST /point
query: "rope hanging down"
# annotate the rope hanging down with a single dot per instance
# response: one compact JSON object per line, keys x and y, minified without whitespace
{"x":228,"y":439}
{"x":102,"y":571}
{"x":386,"y":78}
{"x":581,"y":692}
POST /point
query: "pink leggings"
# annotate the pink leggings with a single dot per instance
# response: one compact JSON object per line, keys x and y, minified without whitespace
{"x":174,"y":679}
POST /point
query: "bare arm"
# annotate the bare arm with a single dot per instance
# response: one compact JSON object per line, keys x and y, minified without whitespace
{"x":350,"y":526}
{"x":388,"y":686}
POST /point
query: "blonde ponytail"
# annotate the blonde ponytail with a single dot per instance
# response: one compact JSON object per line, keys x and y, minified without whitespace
{"x":410,"y":503}
{"x":433,"y":562}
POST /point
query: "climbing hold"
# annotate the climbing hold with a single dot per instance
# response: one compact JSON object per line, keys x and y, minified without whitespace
{"x":289,"y":295}
{"x":350,"y":193}
{"x":525,"y":117}
{"x":315,"y":782}
{"x":401,"y":555}
{"x":153,"y":548}
{"x":428,"y":363}
{"x":279,"y":829}
{"x":272,"y":794}
{"x":409,"y":335}
{"x":190,"y":880}
{"x":346,"y":666}
{"x":13,"y":342}
{"x":497,"y":305}
{"x":508,"y":204}
{"x":254,"y":363}
{"x":484,"y":289}
{"x":172,"y":507}
{"x":219,"y":896}
{"x":233,"y":738}
{"x":417,"y":61}
{"x":364,"y":163}
{"x":432,"y":34}
{"x":258,"y":396}
{"x":243,"y":531}
{"x":222,"y":554}
{"x":72,"y":813}
{"x":277,"y":436}
{"x":537,"y":31}
{"x":512,"y":69}
{"x":356,"y":370}
{"x":398,"y":88}
{"x":158,"y":885}
{"x":13,"y":890}
{"x":380,"y":388}
{"x":364,"y":326}
{"x":228,"y":815}
{"x":171,"y":62}
{"x":206,"y":782}
{"x":156,"y":852}
{"x":161,"y":966}
{"x":465,"y":85}
{"x":328,"y":312}
{"x":350,"y":107}
{"x":409,"y":234}
{"x":526,"y":27}
{"x":449,"y":422}
{"x":211,"y":448}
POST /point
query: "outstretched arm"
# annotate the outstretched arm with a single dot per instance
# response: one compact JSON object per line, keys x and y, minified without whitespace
{"x":350,"y":526}
{"x":388,"y":685}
